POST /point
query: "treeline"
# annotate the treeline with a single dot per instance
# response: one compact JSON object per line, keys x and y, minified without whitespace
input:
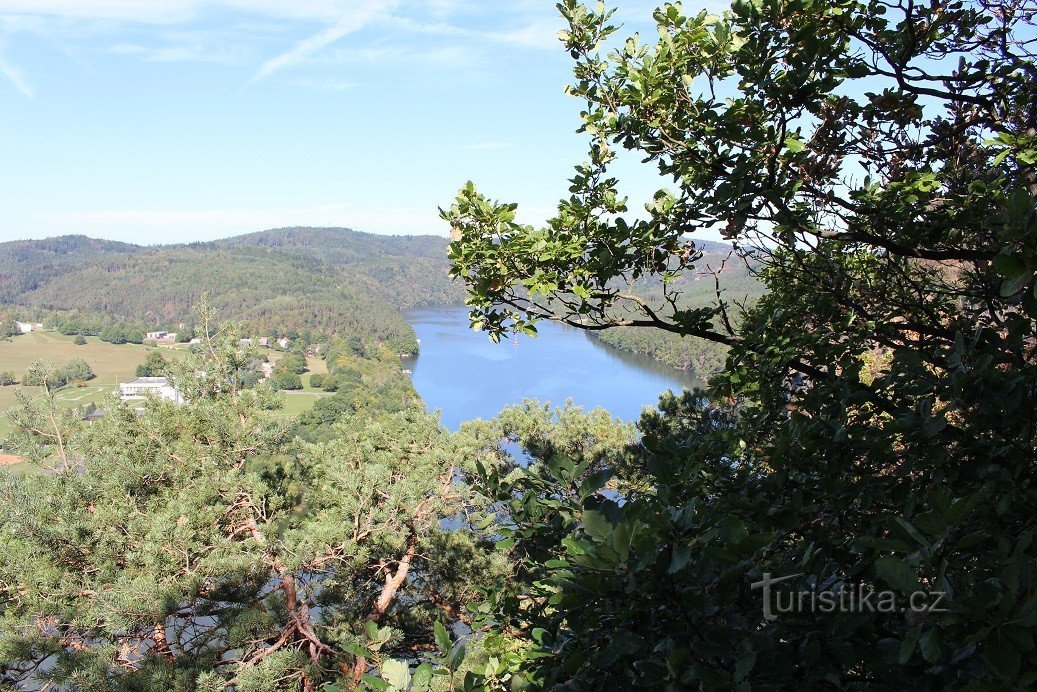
{"x":702,"y":358}
{"x":739,"y":288}
{"x":55,"y":377}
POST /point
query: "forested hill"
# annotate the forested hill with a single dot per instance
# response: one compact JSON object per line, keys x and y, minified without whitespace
{"x":332,"y":281}
{"x":697,"y":288}
{"x":28,"y":264}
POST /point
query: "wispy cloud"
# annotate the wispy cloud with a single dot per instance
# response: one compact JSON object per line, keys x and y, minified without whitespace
{"x":16,"y":78}
{"x":348,"y":24}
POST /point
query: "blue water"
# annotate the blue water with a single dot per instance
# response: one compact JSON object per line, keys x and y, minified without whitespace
{"x":465,"y":376}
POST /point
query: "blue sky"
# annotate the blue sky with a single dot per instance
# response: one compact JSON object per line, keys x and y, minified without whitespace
{"x":175,"y":120}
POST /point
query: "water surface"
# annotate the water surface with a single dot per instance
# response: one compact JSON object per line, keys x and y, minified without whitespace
{"x":466,"y":376}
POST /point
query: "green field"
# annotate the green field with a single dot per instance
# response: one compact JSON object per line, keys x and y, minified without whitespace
{"x":299,"y":401}
{"x":112,"y":364}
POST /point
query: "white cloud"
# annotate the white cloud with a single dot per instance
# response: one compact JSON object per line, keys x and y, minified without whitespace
{"x":175,"y":11}
{"x":348,"y":24}
{"x":16,"y":78}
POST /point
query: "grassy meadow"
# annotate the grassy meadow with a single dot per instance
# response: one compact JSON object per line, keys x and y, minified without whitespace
{"x":112,"y":364}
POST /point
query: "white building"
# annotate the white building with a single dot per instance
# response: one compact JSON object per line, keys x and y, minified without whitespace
{"x":143,"y":387}
{"x":25,"y":327}
{"x":155,"y":336}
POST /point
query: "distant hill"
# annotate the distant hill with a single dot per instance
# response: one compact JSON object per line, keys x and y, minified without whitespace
{"x":332,"y":280}
{"x":26,"y":265}
{"x":697,"y":288}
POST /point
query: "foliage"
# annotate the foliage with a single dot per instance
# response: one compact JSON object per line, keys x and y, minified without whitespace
{"x":199,"y":546}
{"x":154,"y":365}
{"x":46,"y":374}
{"x":877,"y":162}
{"x":80,"y":340}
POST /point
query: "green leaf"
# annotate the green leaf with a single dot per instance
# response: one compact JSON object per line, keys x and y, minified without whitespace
{"x":443,"y":640}
{"x":455,"y":658}
{"x":680,"y":559}
{"x":794,"y":144}
{"x":397,"y":674}
{"x":907,"y":647}
{"x":930,"y":645}
{"x":597,"y":526}
{"x":897,"y":573}
{"x":422,"y":679}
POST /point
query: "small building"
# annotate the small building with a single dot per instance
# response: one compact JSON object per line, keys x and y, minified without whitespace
{"x":267,"y":369}
{"x":144,"y":387}
{"x":156,"y":336}
{"x":25,"y":327}
{"x":284,"y":343}
{"x":264,"y":341}
{"x":244,"y":343}
{"x":195,"y":340}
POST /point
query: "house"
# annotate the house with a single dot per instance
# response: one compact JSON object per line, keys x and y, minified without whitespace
{"x":267,"y":369}
{"x":155,"y":336}
{"x":195,"y":340}
{"x":284,"y":343}
{"x":144,"y":387}
{"x":25,"y":327}
{"x":244,"y":343}
{"x":264,"y":341}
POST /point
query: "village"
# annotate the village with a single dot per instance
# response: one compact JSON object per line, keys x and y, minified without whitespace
{"x":109,"y":365}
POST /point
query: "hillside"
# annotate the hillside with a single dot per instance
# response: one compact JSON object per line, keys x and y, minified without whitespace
{"x":696,"y":289}
{"x":332,"y":281}
{"x":26,"y":265}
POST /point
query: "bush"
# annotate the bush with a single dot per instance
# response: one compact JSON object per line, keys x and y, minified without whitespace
{"x":80,"y":340}
{"x":316,"y":380}
{"x":7,"y":379}
{"x":287,"y":380}
{"x":77,"y":370}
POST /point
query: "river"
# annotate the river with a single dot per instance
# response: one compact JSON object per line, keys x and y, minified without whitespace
{"x":465,"y":376}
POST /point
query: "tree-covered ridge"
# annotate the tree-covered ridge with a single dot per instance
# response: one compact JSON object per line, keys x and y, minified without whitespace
{"x":326,"y":281}
{"x":28,"y":264}
{"x":720,"y":275}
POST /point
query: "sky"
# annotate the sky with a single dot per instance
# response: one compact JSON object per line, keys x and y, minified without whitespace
{"x":159,"y":121}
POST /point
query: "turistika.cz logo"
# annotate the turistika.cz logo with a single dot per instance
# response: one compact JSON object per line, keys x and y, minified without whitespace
{"x":852,"y":599}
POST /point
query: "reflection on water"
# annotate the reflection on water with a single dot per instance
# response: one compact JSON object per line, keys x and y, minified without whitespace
{"x":466,"y":376}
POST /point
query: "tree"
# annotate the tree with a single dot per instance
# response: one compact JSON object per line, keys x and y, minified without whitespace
{"x":876,"y":164}
{"x":285,"y":379}
{"x":76,"y":370}
{"x":154,"y":365}
{"x":198,"y":546}
{"x":7,"y":378}
{"x":80,"y":340}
